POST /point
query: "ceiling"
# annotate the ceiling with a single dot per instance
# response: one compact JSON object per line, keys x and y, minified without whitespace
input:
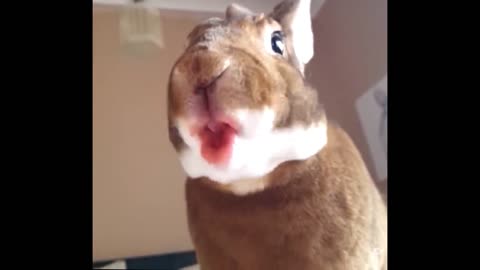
{"x":208,"y":6}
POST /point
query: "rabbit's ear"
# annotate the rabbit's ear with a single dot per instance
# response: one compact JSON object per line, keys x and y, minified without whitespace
{"x":235,"y":12}
{"x":295,"y":18}
{"x":380,"y":97}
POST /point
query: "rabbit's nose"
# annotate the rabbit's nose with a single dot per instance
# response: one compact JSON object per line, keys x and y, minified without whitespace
{"x":205,"y":87}
{"x":206,"y":69}
{"x":198,"y":71}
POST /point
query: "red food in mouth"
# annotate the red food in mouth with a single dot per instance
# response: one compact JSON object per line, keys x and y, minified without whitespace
{"x":217,"y":141}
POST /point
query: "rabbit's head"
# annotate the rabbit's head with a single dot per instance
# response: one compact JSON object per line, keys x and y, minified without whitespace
{"x":238,"y":104}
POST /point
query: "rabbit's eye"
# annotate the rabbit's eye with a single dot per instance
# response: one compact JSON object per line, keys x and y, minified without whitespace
{"x":277,"y":42}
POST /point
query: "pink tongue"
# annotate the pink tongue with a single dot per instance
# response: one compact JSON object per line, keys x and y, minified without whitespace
{"x":213,"y":126}
{"x":217,"y":141}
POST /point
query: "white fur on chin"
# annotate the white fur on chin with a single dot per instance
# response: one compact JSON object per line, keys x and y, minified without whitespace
{"x":257,"y":151}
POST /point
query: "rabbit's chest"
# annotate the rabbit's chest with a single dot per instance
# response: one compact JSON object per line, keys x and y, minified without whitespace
{"x":298,"y":234}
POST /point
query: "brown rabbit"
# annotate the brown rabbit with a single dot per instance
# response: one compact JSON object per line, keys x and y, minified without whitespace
{"x":271,"y":184}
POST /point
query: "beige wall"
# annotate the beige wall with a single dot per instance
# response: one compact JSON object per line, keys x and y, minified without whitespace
{"x":138,"y":204}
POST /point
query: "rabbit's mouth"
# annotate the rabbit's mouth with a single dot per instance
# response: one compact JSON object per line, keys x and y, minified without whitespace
{"x":217,"y":136}
{"x":243,"y":144}
{"x":217,"y":140}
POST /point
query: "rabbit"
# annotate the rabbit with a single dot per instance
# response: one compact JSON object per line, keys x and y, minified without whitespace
{"x":272,"y":183}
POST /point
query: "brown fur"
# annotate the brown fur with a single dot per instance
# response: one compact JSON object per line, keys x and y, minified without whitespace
{"x":249,"y":69}
{"x":255,"y":79}
{"x":323,"y":213}
{"x":320,"y":213}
